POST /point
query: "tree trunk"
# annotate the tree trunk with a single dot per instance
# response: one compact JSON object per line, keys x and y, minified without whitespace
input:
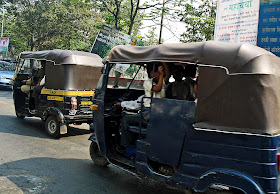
{"x":133,"y":15}
{"x":32,"y":44}
{"x":161,"y":22}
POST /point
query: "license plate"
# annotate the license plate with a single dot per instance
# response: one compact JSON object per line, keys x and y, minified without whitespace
{"x":55,"y":98}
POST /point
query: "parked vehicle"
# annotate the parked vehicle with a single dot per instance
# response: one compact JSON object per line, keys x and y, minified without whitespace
{"x":70,"y":80}
{"x":7,"y":71}
{"x":228,"y":136}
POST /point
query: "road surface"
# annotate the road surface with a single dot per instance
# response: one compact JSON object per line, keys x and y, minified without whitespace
{"x":32,"y":162}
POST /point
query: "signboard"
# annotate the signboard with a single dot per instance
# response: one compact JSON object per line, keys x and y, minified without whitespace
{"x":107,"y":38}
{"x":269,"y":26}
{"x":4,"y":43}
{"x":237,"y":21}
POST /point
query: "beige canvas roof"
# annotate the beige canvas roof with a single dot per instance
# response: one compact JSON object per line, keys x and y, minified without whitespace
{"x":234,"y":58}
{"x":68,"y":57}
{"x":242,"y":96}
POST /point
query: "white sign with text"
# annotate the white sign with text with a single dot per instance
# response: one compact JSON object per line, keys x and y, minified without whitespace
{"x":237,"y":21}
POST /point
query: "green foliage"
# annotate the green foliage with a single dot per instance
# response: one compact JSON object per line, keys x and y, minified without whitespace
{"x":123,"y":15}
{"x":200,"y":21}
{"x":151,"y":37}
{"x":50,"y":24}
{"x":74,"y":24}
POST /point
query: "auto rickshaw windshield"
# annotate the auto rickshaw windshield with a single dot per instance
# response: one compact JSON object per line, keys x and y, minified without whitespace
{"x":129,"y":76}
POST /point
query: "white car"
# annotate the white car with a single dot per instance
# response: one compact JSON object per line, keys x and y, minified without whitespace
{"x":7,"y":71}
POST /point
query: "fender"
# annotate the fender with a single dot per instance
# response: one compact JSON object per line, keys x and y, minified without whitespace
{"x":228,"y":178}
{"x":60,"y":117}
{"x":92,"y":138}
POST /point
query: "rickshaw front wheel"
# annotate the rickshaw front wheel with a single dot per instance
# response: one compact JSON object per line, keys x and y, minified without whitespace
{"x":19,"y":115}
{"x":52,"y":126}
{"x":96,"y":155}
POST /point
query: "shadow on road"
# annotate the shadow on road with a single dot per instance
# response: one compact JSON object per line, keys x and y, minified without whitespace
{"x":32,"y":127}
{"x":51,"y":175}
{"x":6,"y":88}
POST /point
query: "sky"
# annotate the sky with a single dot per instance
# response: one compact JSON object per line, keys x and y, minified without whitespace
{"x":176,"y":27}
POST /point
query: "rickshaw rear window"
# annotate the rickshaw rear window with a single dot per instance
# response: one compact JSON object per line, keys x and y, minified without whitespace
{"x":121,"y":76}
{"x":27,"y":65}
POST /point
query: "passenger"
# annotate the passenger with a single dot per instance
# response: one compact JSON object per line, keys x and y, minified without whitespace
{"x":161,"y":81}
{"x":181,"y":89}
{"x":161,"y":76}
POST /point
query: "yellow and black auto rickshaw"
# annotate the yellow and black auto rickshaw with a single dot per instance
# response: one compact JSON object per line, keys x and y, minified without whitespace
{"x":66,"y":81}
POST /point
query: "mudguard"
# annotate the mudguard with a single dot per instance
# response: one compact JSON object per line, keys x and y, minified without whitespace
{"x":60,"y":117}
{"x":227,"y":178}
{"x":92,"y":138}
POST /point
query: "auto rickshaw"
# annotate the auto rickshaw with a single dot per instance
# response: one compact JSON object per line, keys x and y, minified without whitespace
{"x":70,"y":80}
{"x":227,"y":138}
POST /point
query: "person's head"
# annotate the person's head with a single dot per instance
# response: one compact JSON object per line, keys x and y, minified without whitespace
{"x":133,"y":42}
{"x":178,"y":73}
{"x":190,"y":70}
{"x":156,"y":73}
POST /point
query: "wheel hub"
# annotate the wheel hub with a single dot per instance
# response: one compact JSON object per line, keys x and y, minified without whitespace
{"x":52,"y":126}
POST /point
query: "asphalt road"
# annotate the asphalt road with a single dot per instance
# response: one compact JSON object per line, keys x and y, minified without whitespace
{"x":32,"y":162}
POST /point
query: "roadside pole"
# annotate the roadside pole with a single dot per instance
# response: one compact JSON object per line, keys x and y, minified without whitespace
{"x":2,"y":21}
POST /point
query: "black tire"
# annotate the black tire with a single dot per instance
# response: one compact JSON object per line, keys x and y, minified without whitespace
{"x":91,"y":129}
{"x":96,"y":155}
{"x":52,"y":126}
{"x":19,"y":115}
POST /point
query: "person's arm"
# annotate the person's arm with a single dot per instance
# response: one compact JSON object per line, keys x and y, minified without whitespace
{"x":157,"y":88}
{"x":167,"y":72}
{"x":130,"y":105}
{"x":43,"y":81}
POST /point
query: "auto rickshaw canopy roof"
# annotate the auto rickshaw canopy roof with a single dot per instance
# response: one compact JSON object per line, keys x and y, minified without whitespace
{"x":65,"y":57}
{"x":238,"y":84}
{"x":234,"y":58}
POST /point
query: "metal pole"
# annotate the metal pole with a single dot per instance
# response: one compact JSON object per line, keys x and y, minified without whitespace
{"x":161,"y":22}
{"x":2,"y":21}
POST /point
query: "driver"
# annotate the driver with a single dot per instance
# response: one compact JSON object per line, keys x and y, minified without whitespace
{"x":161,"y":77}
{"x":38,"y":85}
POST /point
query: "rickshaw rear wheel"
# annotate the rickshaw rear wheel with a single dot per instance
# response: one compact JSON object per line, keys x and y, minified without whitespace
{"x":52,"y":126}
{"x":96,"y":155}
{"x":19,"y":115}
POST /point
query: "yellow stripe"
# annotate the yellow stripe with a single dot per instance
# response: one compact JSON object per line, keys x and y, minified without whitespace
{"x":66,"y":93}
{"x":55,"y":98}
{"x":3,"y":102}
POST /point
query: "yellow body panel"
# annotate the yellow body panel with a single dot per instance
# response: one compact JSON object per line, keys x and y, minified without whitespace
{"x":66,"y":93}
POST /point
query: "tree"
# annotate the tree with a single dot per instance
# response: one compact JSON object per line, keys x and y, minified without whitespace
{"x":16,"y":42}
{"x":125,"y":15}
{"x":49,"y":24}
{"x":200,"y":21}
{"x":150,"y":37}
{"x":164,"y":15}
